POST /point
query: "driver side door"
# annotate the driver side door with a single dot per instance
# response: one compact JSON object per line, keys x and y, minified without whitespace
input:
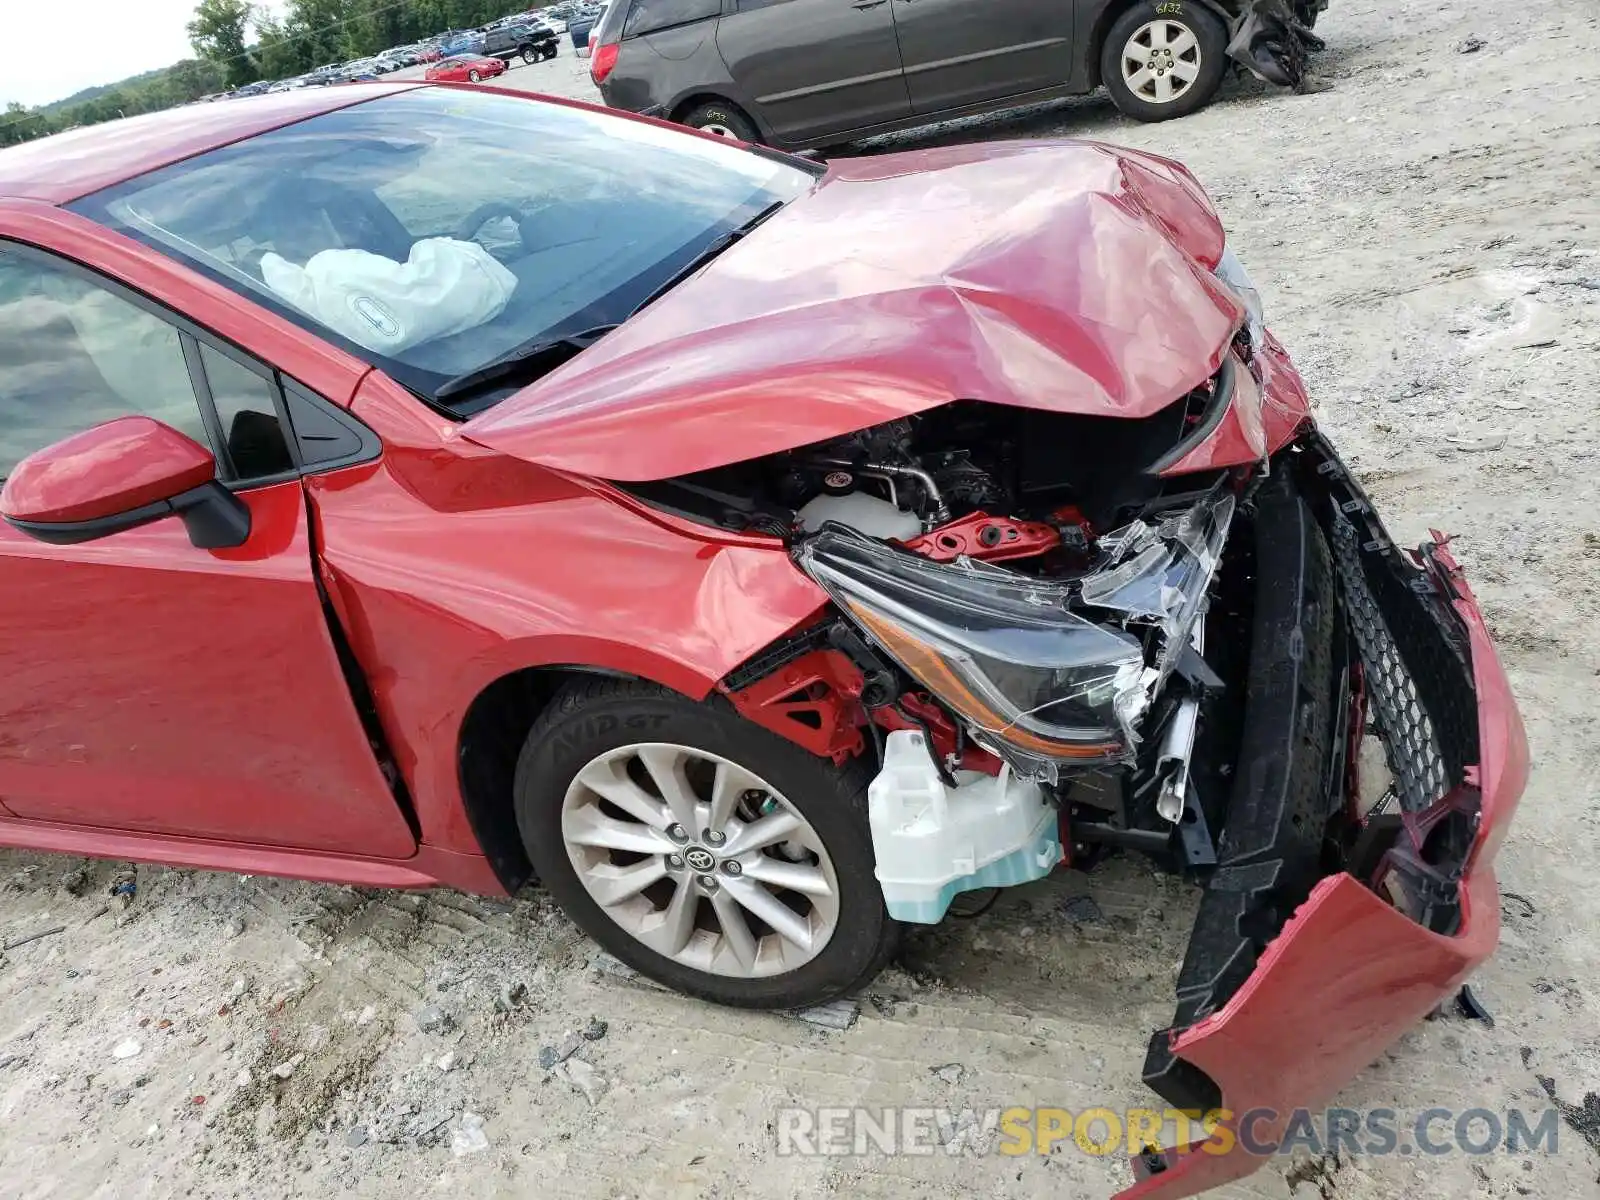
{"x":152,"y":686}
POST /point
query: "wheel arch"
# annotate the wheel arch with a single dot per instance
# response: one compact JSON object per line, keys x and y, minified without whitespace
{"x":687,"y":103}
{"x":1108,"y":15}
{"x":493,"y":732}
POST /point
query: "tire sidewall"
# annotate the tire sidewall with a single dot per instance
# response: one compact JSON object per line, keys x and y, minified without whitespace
{"x":828,"y":797}
{"x":474,"y":77}
{"x":724,"y":114}
{"x":1208,"y":30}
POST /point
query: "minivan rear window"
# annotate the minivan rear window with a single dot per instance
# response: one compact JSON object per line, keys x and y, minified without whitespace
{"x":649,"y":16}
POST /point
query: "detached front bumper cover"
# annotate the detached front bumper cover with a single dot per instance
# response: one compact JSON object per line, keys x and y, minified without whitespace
{"x":1287,"y":1025}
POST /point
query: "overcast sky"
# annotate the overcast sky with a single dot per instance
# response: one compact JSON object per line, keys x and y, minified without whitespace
{"x":58,"y":47}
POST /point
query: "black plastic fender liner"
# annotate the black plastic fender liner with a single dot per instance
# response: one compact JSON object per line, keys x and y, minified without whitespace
{"x":1269,"y":854}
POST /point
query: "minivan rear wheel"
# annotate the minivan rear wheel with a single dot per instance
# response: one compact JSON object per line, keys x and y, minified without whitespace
{"x":724,"y":120}
{"x":1164,"y":60}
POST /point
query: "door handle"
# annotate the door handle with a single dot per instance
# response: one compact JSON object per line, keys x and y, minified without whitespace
{"x":866,"y":4}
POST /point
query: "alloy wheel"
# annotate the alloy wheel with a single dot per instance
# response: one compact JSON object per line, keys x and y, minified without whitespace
{"x":1161,"y":61}
{"x":700,"y":860}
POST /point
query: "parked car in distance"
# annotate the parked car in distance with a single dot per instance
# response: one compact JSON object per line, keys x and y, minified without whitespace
{"x":411,"y":485}
{"x":466,"y":68}
{"x":581,"y":29}
{"x":532,"y":43}
{"x":468,"y":42}
{"x":798,"y":73}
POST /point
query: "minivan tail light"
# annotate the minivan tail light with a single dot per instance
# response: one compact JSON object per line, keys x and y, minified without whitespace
{"x":603,"y":62}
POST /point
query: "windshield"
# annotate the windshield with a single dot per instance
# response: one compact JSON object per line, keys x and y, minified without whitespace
{"x":436,"y":231}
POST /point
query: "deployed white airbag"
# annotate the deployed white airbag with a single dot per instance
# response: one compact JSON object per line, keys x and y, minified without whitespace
{"x":445,"y":287}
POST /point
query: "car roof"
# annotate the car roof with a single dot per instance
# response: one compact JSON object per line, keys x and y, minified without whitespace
{"x":66,"y":166}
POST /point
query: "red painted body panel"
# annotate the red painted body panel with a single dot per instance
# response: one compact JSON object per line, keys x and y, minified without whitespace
{"x":452,"y":566}
{"x":1263,"y":418}
{"x":150,"y":687}
{"x":990,"y":539}
{"x":1346,"y":977}
{"x":72,"y":164}
{"x":1046,"y":275}
{"x":1349,"y":974}
{"x":112,"y":468}
{"x":428,"y":867}
{"x":815,"y":701}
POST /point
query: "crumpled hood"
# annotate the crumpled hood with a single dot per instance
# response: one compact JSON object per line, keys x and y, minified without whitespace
{"x":1069,"y":276}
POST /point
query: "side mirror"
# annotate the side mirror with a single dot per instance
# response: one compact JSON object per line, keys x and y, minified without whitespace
{"x":120,"y":475}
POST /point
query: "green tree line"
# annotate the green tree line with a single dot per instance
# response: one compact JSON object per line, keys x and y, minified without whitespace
{"x":236,"y":43}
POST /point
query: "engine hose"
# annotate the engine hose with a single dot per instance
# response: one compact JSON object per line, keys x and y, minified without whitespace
{"x":945,"y":777}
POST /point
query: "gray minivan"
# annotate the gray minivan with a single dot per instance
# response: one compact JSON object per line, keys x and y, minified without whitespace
{"x":797,"y":73}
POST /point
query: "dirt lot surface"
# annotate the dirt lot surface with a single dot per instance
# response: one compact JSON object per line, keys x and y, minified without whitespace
{"x":1425,"y":233}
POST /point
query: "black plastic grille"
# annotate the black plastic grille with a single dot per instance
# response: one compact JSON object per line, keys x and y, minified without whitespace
{"x":1410,"y":741}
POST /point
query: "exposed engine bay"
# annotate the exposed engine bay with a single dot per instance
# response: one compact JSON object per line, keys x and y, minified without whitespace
{"x":1020,"y":589}
{"x":1053,"y":651}
{"x":1023,"y":592}
{"x":919,"y":474}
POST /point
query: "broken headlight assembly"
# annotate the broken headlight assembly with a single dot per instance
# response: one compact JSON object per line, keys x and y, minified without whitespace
{"x":1161,"y":574}
{"x":1023,"y":661}
{"x":1231,"y":271}
{"x":1000,"y":649}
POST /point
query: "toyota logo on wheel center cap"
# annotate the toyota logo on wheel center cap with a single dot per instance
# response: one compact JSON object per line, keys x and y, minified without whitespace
{"x":700,"y":860}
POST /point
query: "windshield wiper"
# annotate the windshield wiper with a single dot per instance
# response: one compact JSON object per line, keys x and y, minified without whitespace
{"x":713,"y":248}
{"x":519,"y":357}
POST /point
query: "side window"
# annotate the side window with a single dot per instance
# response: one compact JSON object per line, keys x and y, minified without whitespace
{"x":73,"y":355}
{"x":650,"y":15}
{"x":247,"y":417}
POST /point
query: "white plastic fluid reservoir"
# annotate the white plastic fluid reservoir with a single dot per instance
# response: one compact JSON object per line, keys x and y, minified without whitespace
{"x":865,"y":514}
{"x":933,"y":842}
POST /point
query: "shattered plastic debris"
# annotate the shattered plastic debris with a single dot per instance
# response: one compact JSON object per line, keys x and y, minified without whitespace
{"x":583,"y":1078}
{"x":468,"y":1137}
{"x":1169,"y":577}
{"x":836,"y":1014}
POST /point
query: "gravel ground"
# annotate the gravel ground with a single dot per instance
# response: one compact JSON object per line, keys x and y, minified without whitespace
{"x":1425,"y":235}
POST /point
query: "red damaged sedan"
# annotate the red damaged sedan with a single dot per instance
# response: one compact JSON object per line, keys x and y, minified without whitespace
{"x":465,"y":68}
{"x":757,"y":554}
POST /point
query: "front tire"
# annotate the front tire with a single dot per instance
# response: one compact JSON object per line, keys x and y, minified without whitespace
{"x":725,"y":120}
{"x":474,"y":77}
{"x":1164,"y":60}
{"x":704,"y":851}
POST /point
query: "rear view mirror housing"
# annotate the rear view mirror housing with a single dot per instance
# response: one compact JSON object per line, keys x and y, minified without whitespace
{"x":118,"y":476}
